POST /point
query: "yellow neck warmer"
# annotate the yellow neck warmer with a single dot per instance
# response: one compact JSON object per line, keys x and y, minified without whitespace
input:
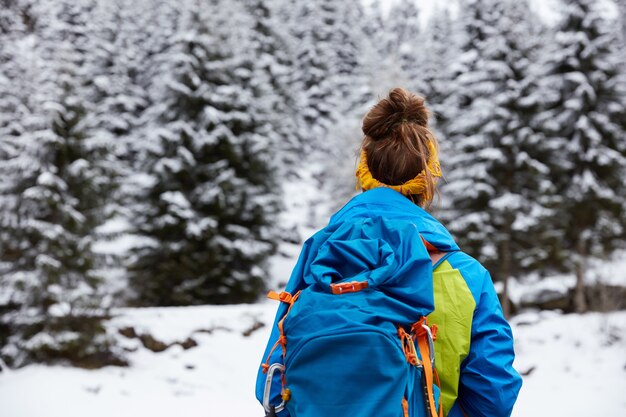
{"x":417,"y":185}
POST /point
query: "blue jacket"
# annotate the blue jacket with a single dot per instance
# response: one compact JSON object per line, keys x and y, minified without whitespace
{"x":474,"y":349}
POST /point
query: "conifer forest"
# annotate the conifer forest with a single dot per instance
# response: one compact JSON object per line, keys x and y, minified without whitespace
{"x":152,"y":151}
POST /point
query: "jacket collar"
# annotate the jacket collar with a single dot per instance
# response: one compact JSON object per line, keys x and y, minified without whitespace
{"x":385,"y":202}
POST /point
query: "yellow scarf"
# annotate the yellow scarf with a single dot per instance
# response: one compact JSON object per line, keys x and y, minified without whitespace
{"x":417,"y":185}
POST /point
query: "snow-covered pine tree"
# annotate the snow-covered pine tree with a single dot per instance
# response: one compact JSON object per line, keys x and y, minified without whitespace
{"x":467,"y":112}
{"x":210,"y":196}
{"x":621,"y":114}
{"x":127,"y":39}
{"x":51,"y":304}
{"x":328,"y":38}
{"x":582,"y":105}
{"x":272,"y":79}
{"x":621,"y":4}
{"x":115,"y":66}
{"x":439,"y":48}
{"x":406,"y":44}
{"x":14,"y":115}
{"x":375,"y":28}
{"x":332,"y":85}
{"x":378,"y":55}
{"x":496,"y":186}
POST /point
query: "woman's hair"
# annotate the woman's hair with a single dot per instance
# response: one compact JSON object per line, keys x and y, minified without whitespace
{"x":399,"y":146}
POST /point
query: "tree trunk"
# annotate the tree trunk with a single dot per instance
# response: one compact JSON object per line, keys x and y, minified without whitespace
{"x":580,"y":303}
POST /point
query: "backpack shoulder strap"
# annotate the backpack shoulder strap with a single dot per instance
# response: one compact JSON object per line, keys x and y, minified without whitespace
{"x":425,"y":347}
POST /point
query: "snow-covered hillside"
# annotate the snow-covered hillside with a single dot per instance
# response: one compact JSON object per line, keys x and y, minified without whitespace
{"x":574,"y":366}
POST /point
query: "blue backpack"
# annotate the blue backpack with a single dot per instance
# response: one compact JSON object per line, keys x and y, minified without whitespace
{"x":354,"y":338}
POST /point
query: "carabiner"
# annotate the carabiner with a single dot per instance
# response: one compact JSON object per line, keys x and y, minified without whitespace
{"x":268,"y":386}
{"x":431,"y":345}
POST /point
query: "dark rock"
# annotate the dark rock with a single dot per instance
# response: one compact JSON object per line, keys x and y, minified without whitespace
{"x":128,"y":332}
{"x":188,"y":343}
{"x":150,"y":343}
{"x":255,"y":326}
{"x":213,"y":329}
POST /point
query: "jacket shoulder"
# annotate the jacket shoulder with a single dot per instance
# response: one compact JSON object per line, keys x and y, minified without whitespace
{"x":472,"y":271}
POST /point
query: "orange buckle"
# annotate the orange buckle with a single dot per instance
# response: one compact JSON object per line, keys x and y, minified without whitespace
{"x":347,"y":287}
{"x":284,"y":296}
{"x":433,"y":330}
{"x":418,"y":328}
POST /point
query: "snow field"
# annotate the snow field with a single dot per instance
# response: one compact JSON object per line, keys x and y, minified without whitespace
{"x":575,"y":366}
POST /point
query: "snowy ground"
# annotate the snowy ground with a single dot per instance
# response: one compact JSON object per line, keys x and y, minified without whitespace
{"x":575,"y":366}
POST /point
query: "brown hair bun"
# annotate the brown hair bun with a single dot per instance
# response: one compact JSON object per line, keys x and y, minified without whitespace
{"x":399,"y":108}
{"x":398,"y":145}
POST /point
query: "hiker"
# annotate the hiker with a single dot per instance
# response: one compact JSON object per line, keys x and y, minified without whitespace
{"x":383,"y":259}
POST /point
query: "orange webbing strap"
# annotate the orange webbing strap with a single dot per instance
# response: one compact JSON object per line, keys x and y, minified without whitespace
{"x":285,"y":297}
{"x":405,"y":407}
{"x":280,"y":342}
{"x":408,"y":347}
{"x":424,"y":348}
{"x":437,"y":378}
{"x":291,"y":301}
